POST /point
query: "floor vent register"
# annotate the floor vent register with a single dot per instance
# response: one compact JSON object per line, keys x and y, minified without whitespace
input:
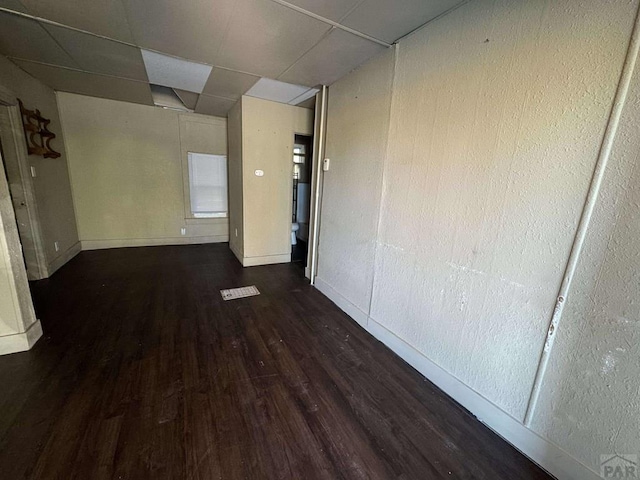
{"x":242,"y":292}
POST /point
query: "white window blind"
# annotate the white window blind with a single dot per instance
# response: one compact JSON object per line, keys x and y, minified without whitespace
{"x":208,"y":185}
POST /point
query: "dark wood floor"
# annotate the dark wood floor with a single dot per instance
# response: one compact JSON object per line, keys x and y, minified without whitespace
{"x":145,"y":373}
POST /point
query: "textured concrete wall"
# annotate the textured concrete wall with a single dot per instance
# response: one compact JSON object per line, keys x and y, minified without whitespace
{"x":491,"y":149}
{"x":127,"y":165}
{"x":590,"y":402}
{"x":498,"y":112}
{"x":52,"y":185}
{"x":268,"y":131}
{"x":356,"y":143}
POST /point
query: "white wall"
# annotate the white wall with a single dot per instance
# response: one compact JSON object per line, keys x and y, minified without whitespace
{"x":358,"y":112}
{"x":589,"y":399}
{"x":497,"y":115}
{"x":128,"y":171}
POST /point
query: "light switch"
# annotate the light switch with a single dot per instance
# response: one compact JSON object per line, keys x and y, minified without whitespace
{"x":325,"y":164}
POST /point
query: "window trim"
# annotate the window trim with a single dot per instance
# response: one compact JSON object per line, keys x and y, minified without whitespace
{"x":196,"y":218}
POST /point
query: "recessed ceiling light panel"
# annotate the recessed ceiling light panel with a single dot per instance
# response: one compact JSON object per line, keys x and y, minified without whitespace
{"x":175,"y":72}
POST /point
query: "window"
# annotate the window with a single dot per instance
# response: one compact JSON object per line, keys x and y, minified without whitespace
{"x":208,"y":185}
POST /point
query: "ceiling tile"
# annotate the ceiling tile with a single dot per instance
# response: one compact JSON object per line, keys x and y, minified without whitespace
{"x":24,"y":38}
{"x":192,"y":29}
{"x":228,"y":83}
{"x":104,"y":17}
{"x":175,"y":72}
{"x":336,"y":55}
{"x":331,"y":9}
{"x":265,"y":38}
{"x":216,"y":106}
{"x":188,"y":98}
{"x":13,"y":5}
{"x":73,"y":81}
{"x":389,"y":20}
{"x":95,"y":54}
{"x":276,"y":91}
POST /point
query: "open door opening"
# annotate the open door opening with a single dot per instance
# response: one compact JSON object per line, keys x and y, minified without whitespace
{"x":19,"y":328}
{"x":19,"y":175}
{"x":301,"y":198}
{"x":319,"y":129}
{"x":13,"y":202}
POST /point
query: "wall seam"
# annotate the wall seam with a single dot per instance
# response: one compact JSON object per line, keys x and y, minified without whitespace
{"x":376,"y":244}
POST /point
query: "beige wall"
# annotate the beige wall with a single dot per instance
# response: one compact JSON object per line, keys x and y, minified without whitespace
{"x":268,"y":130}
{"x":496,"y":117}
{"x":236,"y":230}
{"x":52,"y":188}
{"x":126,"y":163}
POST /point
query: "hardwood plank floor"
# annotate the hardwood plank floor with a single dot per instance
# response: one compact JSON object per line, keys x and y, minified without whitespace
{"x":145,"y":373}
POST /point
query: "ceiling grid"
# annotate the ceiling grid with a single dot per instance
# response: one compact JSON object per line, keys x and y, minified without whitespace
{"x":235,"y":43}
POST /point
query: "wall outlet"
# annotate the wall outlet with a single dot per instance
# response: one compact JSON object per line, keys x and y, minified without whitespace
{"x":56,"y":246}
{"x":183,"y":231}
{"x":33,"y":171}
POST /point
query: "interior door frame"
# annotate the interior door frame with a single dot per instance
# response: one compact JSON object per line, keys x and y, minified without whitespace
{"x":320,"y":129}
{"x":21,"y":185}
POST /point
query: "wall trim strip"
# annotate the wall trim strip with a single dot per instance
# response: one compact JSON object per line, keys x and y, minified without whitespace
{"x":587,"y":212}
{"x":345,"y":305}
{"x":266,"y":260}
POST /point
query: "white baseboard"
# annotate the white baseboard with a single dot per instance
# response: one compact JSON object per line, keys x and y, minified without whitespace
{"x":64,"y":258}
{"x":546,"y":454}
{"x":267,"y":260}
{"x":21,"y":342}
{"x":345,"y":305}
{"x":151,"y":242}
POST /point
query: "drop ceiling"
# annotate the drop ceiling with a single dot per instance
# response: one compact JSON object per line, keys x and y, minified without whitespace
{"x":210,"y":51}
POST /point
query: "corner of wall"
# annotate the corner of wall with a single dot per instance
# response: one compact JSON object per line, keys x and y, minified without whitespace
{"x":21,"y":342}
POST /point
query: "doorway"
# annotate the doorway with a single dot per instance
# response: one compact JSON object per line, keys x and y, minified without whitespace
{"x":301,"y":198}
{"x":19,"y":328}
{"x":19,"y":175}
{"x":13,"y":202}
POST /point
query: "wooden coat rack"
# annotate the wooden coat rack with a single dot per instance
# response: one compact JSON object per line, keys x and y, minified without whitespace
{"x":37,"y":133}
